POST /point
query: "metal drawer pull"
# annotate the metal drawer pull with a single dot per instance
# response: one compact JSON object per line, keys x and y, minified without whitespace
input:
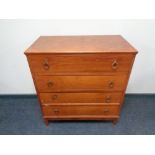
{"x":108,"y":99}
{"x":54,"y":97}
{"x":46,"y":65}
{"x":111,"y":84}
{"x":50,"y":84}
{"x":56,"y":111}
{"x":114,"y":64}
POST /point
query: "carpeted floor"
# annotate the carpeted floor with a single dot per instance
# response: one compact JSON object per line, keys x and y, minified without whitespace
{"x":22,"y":115}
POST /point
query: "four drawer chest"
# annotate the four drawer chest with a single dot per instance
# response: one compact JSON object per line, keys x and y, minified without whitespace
{"x":81,"y":77}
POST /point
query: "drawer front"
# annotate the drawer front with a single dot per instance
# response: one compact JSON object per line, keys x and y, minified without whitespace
{"x":80,"y":98}
{"x":66,"y":110}
{"x":80,"y":83}
{"x":80,"y":63}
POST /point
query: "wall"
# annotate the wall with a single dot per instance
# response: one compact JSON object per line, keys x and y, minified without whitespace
{"x":17,"y":35}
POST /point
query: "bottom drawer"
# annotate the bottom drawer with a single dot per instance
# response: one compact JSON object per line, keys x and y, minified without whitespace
{"x":80,"y":110}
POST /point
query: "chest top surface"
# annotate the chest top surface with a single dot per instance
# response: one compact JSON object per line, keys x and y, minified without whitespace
{"x":80,"y":44}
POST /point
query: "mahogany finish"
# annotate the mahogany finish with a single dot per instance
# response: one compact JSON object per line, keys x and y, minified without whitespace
{"x":80,"y":83}
{"x":80,"y":63}
{"x":81,"y":77}
{"x":81,"y":110}
{"x":73,"y":98}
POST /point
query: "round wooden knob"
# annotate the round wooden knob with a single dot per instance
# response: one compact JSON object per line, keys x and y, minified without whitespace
{"x":106,"y":111}
{"x":108,"y":99}
{"x":50,"y":84}
{"x":54,"y":97}
{"x":56,"y":111}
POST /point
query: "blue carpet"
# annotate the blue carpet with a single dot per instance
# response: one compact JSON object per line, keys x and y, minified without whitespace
{"x":21,"y":115}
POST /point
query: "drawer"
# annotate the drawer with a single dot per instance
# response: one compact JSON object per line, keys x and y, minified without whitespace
{"x":80,"y":98}
{"x":80,"y":83}
{"x":80,"y":63}
{"x":68,"y":110}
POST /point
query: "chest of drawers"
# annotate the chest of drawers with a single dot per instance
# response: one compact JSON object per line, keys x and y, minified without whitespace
{"x":81,"y":77}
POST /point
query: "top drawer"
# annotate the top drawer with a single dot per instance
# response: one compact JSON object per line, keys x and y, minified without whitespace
{"x":79,"y":63}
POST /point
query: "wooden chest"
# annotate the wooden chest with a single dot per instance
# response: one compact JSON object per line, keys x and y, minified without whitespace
{"x":81,"y":77}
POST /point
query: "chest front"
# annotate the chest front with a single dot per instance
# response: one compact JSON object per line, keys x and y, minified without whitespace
{"x":80,"y":80}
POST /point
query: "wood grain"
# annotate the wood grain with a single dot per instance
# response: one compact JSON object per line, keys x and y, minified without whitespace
{"x":80,"y":83}
{"x":81,"y":77}
{"x":80,"y":44}
{"x":80,"y":63}
{"x":61,"y":110}
{"x":73,"y":98}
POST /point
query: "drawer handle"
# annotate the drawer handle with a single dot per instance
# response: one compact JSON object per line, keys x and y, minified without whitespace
{"x":114,"y":64}
{"x":56,"y":111}
{"x":108,"y":99}
{"x":111,"y":84}
{"x":54,"y":97}
{"x":50,"y":84}
{"x":46,"y":65}
{"x":106,"y":110}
